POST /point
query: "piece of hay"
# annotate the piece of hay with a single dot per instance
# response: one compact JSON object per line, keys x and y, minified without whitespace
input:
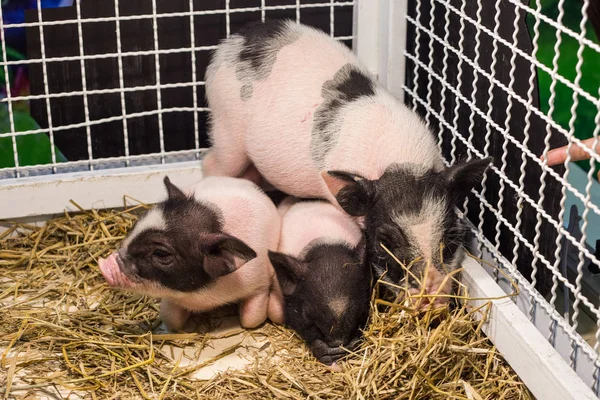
{"x":63,"y":330}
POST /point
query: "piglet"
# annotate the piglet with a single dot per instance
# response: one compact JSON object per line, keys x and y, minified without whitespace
{"x":202,"y":249}
{"x":325,"y":281}
{"x":293,"y":104}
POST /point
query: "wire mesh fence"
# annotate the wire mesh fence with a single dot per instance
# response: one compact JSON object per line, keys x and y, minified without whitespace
{"x":513,"y":81}
{"x":114,"y":84}
{"x":109,"y":84}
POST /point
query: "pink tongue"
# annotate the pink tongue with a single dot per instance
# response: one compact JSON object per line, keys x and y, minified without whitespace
{"x":112,"y":273}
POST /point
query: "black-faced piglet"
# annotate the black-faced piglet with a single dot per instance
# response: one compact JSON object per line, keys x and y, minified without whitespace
{"x":201,"y":249}
{"x":324,"y":278}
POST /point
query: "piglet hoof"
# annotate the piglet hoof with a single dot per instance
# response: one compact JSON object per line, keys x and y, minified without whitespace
{"x":161,"y":329}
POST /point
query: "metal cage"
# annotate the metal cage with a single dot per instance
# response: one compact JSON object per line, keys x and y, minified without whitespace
{"x":116,"y":100}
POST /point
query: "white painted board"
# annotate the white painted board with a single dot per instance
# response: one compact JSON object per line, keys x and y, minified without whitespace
{"x":51,"y":194}
{"x":537,"y":363}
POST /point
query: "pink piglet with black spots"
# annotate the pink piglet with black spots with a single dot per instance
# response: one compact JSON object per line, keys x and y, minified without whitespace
{"x":203,"y":248}
{"x":294,"y":107}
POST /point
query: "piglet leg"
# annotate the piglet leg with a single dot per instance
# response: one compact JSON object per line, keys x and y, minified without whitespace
{"x":173,"y":316}
{"x":227,"y":155}
{"x":253,"y":311}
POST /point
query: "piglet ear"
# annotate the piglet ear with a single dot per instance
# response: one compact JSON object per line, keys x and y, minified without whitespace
{"x":352,"y":192}
{"x":224,"y":254}
{"x":173,"y":191}
{"x":288,"y":269}
{"x":463,"y":177}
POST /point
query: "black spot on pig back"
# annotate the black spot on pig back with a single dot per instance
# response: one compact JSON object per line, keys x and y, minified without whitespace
{"x":261,"y":43}
{"x":355,"y":85}
{"x":348,"y":84}
{"x":257,"y":39}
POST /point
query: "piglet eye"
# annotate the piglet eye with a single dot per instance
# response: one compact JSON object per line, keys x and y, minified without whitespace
{"x":386,"y":242}
{"x":161,"y":253}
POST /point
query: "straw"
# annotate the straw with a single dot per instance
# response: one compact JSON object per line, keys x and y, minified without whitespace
{"x":63,"y":330}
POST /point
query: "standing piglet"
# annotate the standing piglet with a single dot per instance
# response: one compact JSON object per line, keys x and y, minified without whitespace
{"x":325,"y":281}
{"x":295,"y":104}
{"x":201,"y":250}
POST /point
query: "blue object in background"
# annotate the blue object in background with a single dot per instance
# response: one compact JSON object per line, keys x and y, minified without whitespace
{"x":579,"y":179}
{"x":13,"y":12}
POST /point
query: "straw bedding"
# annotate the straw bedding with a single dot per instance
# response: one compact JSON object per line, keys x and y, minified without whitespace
{"x":65,"y":334}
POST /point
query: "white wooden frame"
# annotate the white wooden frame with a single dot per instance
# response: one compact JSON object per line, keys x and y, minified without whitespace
{"x":380,"y":40}
{"x":50,"y":194}
{"x":538,"y":364}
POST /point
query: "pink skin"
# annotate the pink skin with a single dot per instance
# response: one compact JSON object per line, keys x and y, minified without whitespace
{"x":112,"y":272}
{"x":280,"y":116}
{"x":272,"y":130}
{"x":435,"y":279}
{"x":559,"y":155}
{"x":303,"y":222}
{"x":249,"y":215}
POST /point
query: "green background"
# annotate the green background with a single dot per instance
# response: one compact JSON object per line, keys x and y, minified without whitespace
{"x":590,"y":69}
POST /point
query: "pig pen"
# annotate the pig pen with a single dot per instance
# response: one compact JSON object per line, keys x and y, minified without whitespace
{"x":116,"y":98}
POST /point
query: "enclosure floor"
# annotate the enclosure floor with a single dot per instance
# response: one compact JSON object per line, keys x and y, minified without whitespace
{"x":63,"y":329}
{"x":216,"y":355}
{"x":247,"y":347}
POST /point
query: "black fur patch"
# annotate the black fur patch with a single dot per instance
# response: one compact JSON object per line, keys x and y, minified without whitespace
{"x":327,"y":272}
{"x":183,"y":275}
{"x":355,"y":85}
{"x":257,"y":40}
{"x":188,"y":212}
{"x":182,"y":270}
{"x":402,"y":191}
{"x":347,"y":85}
{"x":262,"y":42}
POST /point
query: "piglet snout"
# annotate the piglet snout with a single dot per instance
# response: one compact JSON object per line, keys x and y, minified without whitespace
{"x":432,"y":291}
{"x":111,"y":271}
{"x":124,"y":265}
{"x":325,"y":353}
{"x":432,"y":296}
